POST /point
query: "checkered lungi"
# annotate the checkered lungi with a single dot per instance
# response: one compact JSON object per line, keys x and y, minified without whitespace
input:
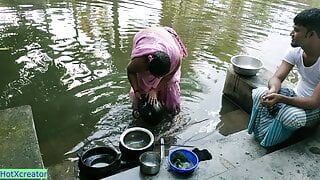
{"x":274,"y":125}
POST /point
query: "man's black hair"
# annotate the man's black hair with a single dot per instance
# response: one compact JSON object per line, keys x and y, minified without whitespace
{"x":309,"y":18}
{"x":160,"y":64}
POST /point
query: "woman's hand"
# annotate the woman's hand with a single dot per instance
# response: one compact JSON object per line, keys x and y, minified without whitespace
{"x":152,"y":97}
{"x":137,"y":94}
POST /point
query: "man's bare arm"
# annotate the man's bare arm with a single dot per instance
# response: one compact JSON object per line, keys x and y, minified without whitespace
{"x":310,"y":102}
{"x":274,"y":83}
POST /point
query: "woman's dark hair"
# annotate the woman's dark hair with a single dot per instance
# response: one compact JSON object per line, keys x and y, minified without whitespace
{"x":160,"y":64}
{"x":309,"y":18}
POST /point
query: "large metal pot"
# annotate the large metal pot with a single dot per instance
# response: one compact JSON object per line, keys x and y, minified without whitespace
{"x":99,"y":162}
{"x":246,"y":65}
{"x":135,"y":141}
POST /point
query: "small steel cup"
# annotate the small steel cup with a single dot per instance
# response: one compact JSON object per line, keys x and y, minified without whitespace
{"x":150,"y":162}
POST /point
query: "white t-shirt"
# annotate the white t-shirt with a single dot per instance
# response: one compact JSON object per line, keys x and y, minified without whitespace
{"x":309,"y":76}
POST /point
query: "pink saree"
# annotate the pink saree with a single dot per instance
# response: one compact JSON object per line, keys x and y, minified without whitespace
{"x":164,"y":39}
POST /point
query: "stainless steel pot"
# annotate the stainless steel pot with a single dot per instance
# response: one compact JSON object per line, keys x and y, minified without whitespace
{"x":150,"y":162}
{"x":135,"y":141}
{"x":246,"y":65}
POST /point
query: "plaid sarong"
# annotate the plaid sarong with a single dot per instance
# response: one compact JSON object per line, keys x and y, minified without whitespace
{"x":274,"y":125}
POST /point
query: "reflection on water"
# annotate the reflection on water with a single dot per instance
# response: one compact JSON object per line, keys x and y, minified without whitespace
{"x":68,"y":59}
{"x":232,"y":119}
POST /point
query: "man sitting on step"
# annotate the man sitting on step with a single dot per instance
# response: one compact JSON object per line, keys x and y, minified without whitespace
{"x":278,"y":112}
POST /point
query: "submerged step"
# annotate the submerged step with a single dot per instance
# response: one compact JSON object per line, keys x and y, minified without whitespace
{"x":19,"y":143}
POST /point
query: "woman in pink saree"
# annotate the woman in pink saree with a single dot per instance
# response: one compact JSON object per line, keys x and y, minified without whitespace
{"x":155,"y":68}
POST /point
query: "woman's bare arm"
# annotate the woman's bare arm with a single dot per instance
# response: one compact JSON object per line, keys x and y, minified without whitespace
{"x":136,"y":65}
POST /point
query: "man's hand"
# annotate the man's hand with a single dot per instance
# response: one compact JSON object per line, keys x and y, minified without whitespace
{"x":268,"y":100}
{"x":271,"y":96}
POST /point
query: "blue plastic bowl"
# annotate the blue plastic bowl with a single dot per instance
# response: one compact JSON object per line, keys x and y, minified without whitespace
{"x":191,"y":157}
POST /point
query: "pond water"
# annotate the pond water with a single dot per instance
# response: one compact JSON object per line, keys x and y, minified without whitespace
{"x":67,"y":59}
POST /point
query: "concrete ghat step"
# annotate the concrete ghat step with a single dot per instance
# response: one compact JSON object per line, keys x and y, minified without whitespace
{"x":19,"y":143}
{"x":228,"y":152}
{"x":298,"y":161}
{"x":65,"y":170}
{"x":222,"y":147}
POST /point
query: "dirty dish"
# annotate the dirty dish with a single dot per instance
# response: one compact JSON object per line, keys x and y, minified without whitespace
{"x":246,"y":65}
{"x":183,"y":161}
{"x":150,"y":162}
{"x":150,"y":113}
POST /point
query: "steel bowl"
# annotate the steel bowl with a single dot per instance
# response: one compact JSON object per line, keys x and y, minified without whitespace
{"x":135,"y":141}
{"x":150,"y":162}
{"x":246,"y":65}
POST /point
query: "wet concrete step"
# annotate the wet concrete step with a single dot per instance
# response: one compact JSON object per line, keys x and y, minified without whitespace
{"x":65,"y":170}
{"x":228,"y":153}
{"x":232,"y":120}
{"x":19,"y":143}
{"x":294,"y":162}
{"x":298,"y":161}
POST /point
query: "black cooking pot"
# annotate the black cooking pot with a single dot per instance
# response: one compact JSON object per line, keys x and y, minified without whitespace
{"x":135,"y":141}
{"x":99,"y":162}
{"x":150,"y":113}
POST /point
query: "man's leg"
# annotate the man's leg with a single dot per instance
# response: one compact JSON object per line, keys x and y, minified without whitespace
{"x":313,"y":117}
{"x":292,"y":117}
{"x":259,"y":119}
{"x":274,"y":125}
